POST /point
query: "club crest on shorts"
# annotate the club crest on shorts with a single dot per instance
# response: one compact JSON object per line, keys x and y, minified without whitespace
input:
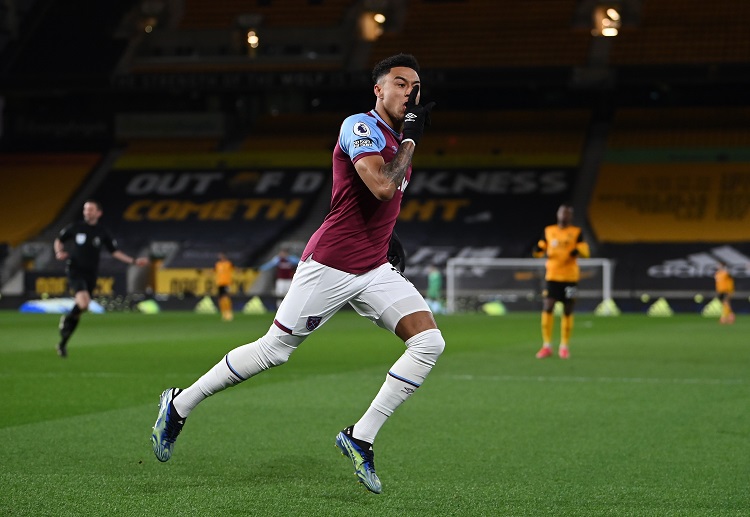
{"x":313,"y":322}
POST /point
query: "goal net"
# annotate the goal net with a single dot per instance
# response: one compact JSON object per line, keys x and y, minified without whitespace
{"x":472,"y":282}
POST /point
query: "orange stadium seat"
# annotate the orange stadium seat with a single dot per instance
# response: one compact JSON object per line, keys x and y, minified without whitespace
{"x":171,"y":145}
{"x":220,"y":14}
{"x":684,"y":32}
{"x":508,"y":132}
{"x":680,"y":127}
{"x":491,"y":34}
{"x":36,"y":188}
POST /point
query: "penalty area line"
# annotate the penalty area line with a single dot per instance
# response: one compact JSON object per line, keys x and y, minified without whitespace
{"x":619,"y":380}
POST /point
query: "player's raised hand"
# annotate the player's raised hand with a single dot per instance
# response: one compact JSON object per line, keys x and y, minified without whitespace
{"x":416,"y":117}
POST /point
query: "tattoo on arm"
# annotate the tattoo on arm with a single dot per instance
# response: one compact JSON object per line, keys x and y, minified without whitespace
{"x":395,"y":170}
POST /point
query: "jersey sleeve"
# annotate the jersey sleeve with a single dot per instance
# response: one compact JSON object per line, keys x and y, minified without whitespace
{"x":541,"y":246}
{"x":66,"y":233}
{"x":109,"y":242}
{"x":361,"y":136}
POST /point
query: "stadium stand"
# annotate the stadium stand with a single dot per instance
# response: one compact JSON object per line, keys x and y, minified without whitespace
{"x":487,"y":34}
{"x":685,"y":32}
{"x":273,"y":14}
{"x":36,"y":189}
{"x":509,"y":132}
{"x":528,"y":102}
{"x":681,"y":127}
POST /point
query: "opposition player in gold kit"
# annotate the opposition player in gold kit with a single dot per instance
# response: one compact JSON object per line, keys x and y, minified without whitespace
{"x":724,"y":291}
{"x":563,"y":244}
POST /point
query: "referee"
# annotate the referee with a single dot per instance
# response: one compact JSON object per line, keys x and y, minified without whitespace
{"x":84,"y":241}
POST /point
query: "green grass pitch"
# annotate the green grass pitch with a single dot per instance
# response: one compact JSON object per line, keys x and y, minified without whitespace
{"x":650,"y":417}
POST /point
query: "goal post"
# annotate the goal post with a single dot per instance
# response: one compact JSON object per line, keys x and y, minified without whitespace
{"x":471,"y":282}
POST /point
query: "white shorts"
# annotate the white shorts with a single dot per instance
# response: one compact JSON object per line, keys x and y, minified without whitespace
{"x":282,"y":286}
{"x":317,"y":292}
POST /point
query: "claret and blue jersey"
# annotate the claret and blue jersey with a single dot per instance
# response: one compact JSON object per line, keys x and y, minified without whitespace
{"x":355,"y":234}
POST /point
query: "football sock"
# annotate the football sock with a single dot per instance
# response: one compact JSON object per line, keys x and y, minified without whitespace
{"x":403,"y":379}
{"x":548,"y":322}
{"x":70,"y":323}
{"x":225,"y":305}
{"x":238,"y":365}
{"x":566,"y":329}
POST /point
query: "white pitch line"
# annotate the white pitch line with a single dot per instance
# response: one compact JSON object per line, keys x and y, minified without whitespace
{"x":623,"y":380}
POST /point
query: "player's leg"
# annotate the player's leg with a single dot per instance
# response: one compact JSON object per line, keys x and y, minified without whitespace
{"x":566,"y":325}
{"x":395,"y":304}
{"x":727,"y":316}
{"x":548,"y":319}
{"x":69,"y":322}
{"x":317,"y":292}
{"x":225,"y":303}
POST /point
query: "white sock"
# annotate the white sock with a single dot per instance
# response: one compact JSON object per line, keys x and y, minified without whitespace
{"x":403,"y":379}
{"x":216,"y":379}
{"x":238,"y":365}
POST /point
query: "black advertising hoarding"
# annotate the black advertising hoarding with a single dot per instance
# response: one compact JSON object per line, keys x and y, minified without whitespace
{"x":234,"y":207}
{"x":486,"y":212}
{"x":672,"y":268}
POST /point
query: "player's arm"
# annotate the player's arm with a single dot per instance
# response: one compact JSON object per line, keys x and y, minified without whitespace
{"x":582,"y":249}
{"x":59,"y":246}
{"x":383,"y":179}
{"x":60,"y":253}
{"x":127,"y":259}
{"x":268,"y":265}
{"x":540,"y":248}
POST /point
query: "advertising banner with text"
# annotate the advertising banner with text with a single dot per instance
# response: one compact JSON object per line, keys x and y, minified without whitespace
{"x":200,"y":281}
{"x":490,"y":213}
{"x":645,"y":268}
{"x":55,"y":283}
{"x":668,"y":202}
{"x":251,"y":207}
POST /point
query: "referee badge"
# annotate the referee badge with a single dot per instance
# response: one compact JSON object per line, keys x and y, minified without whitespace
{"x":80,"y":239}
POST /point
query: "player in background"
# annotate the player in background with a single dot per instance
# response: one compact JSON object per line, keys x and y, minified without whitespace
{"x":724,"y":291}
{"x":285,"y":265}
{"x":345,"y":262}
{"x":563,"y":244}
{"x":224,"y":270}
{"x":80,"y":244}
{"x":434,"y":293}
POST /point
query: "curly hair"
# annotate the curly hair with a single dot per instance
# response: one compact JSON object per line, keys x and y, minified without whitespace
{"x":384,"y":66}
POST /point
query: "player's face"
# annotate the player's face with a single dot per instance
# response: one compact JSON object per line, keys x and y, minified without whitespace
{"x":91,"y":213}
{"x":564,"y":215}
{"x":392,"y":93}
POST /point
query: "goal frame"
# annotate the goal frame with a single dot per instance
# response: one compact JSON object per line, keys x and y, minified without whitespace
{"x":454,"y":264}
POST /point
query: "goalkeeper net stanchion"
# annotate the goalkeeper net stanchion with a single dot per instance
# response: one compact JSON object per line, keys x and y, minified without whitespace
{"x":472,"y":282}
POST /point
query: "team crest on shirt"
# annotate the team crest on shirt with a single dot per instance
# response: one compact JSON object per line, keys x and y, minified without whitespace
{"x":313,"y":322}
{"x":80,"y":239}
{"x":361,"y":129}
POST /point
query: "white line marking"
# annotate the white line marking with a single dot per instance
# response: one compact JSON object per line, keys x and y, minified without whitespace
{"x":622,"y":380}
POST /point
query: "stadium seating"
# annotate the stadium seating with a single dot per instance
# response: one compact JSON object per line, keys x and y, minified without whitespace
{"x":685,"y":32}
{"x":275,"y":13}
{"x":488,"y":34}
{"x":684,"y":127}
{"x":36,"y":188}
